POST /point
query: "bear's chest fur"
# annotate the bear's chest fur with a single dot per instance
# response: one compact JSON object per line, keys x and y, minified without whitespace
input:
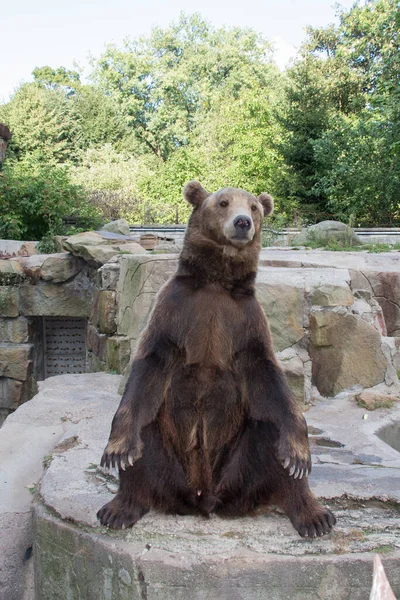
{"x":205,"y":402}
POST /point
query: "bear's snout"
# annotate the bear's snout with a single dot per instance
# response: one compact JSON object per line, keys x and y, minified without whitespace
{"x":242,"y":223}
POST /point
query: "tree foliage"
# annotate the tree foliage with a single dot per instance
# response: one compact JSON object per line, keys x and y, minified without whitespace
{"x":34,"y":198}
{"x":195,"y":101}
{"x":342,"y":117}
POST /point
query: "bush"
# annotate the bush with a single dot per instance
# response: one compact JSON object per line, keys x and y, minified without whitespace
{"x":34,"y":198}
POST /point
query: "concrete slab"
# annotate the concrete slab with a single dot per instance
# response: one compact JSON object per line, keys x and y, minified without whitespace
{"x":276,"y":257}
{"x":27,"y":439}
{"x":165,"y":557}
{"x":64,"y":429}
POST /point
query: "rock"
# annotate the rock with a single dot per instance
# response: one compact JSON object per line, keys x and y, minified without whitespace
{"x":109,"y":274}
{"x":396,"y":354}
{"x":9,"y":301}
{"x":345,"y":351}
{"x":130,"y":248}
{"x":118,"y":353}
{"x":97,"y":343}
{"x":331,"y":295}
{"x":11,"y":272}
{"x":293,"y":369}
{"x":10,"y":393}
{"x":168,"y":557}
{"x":15,"y":360}
{"x":140,"y":280}
{"x":14,"y":330}
{"x":28,"y":249}
{"x":370,"y":311}
{"x":61,"y":267}
{"x":31,"y":265}
{"x":87,"y":238}
{"x":71,"y":299}
{"x":167,"y":248}
{"x":283,"y":306}
{"x":385,"y":287}
{"x":27,"y":438}
{"x":97,"y":256}
{"x":372,"y":399}
{"x":119,"y":226}
{"x":104,"y":311}
{"x":325,"y":231}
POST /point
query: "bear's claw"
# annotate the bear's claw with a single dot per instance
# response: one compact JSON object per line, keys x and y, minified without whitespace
{"x":315,"y":524}
{"x":119,"y":461}
{"x":298,"y":468}
{"x":120,"y":514}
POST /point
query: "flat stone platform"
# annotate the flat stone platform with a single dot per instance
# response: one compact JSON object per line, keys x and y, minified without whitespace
{"x":173,"y":558}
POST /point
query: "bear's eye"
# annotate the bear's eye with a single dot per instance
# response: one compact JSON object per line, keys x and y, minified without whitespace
{"x":254,"y":208}
{"x":223,"y":203}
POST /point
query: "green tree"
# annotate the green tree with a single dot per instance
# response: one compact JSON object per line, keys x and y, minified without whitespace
{"x":34,"y":198}
{"x":163,"y":82}
{"x":42,"y":123}
{"x":342,"y":147}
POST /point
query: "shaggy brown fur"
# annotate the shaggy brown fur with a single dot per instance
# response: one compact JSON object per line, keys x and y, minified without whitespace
{"x":207,"y":422}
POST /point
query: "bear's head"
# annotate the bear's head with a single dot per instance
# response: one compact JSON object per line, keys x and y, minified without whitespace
{"x":229,"y":216}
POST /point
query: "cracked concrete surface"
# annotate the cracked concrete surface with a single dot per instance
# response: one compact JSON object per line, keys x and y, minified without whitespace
{"x":28,"y":438}
{"x":169,"y":558}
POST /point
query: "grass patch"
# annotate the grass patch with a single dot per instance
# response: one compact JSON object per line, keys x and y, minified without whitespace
{"x":384,"y":403}
{"x":384,"y":549}
{"x":47,"y":461}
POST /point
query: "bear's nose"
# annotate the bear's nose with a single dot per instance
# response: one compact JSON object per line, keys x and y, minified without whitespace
{"x":242,"y":223}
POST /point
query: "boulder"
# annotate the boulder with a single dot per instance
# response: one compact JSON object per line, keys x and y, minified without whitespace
{"x":87,"y":238}
{"x":119,"y":226}
{"x":104,"y":311}
{"x":130,"y":248}
{"x":71,"y":299}
{"x":31,"y":265}
{"x":140,"y":280}
{"x":15,"y":360}
{"x":345,"y":351}
{"x":14,"y":330}
{"x":28,"y":249}
{"x":332,"y":295}
{"x":61,"y":267}
{"x":283,"y":306}
{"x":373,"y":399}
{"x":9,"y":301}
{"x":293,"y":368}
{"x":109,"y":275}
{"x":325,"y":231}
{"x":118,"y":353}
{"x":11,"y":272}
{"x":13,"y":393}
{"x":385,"y":286}
{"x":97,"y":256}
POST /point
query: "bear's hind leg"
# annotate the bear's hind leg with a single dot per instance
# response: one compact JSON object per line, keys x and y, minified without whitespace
{"x":156,"y":480}
{"x":308,"y":516}
{"x":254,"y":476}
{"x":121,"y":512}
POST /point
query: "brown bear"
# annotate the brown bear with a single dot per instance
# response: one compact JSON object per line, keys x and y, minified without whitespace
{"x":207,"y":422}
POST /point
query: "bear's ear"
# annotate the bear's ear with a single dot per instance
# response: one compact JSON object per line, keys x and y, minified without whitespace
{"x":194,"y":193}
{"x":267,"y":202}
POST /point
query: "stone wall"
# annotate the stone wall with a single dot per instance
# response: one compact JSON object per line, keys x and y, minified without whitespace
{"x":31,"y":288}
{"x":329,"y":313}
{"x":329,"y":334}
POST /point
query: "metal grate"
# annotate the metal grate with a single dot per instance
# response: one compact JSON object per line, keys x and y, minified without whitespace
{"x":64,"y":345}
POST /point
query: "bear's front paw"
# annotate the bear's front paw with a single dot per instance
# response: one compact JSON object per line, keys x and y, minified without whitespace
{"x":121,"y":455}
{"x":295,"y":457}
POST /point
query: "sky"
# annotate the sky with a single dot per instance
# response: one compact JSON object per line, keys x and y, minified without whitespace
{"x":54,"y":33}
